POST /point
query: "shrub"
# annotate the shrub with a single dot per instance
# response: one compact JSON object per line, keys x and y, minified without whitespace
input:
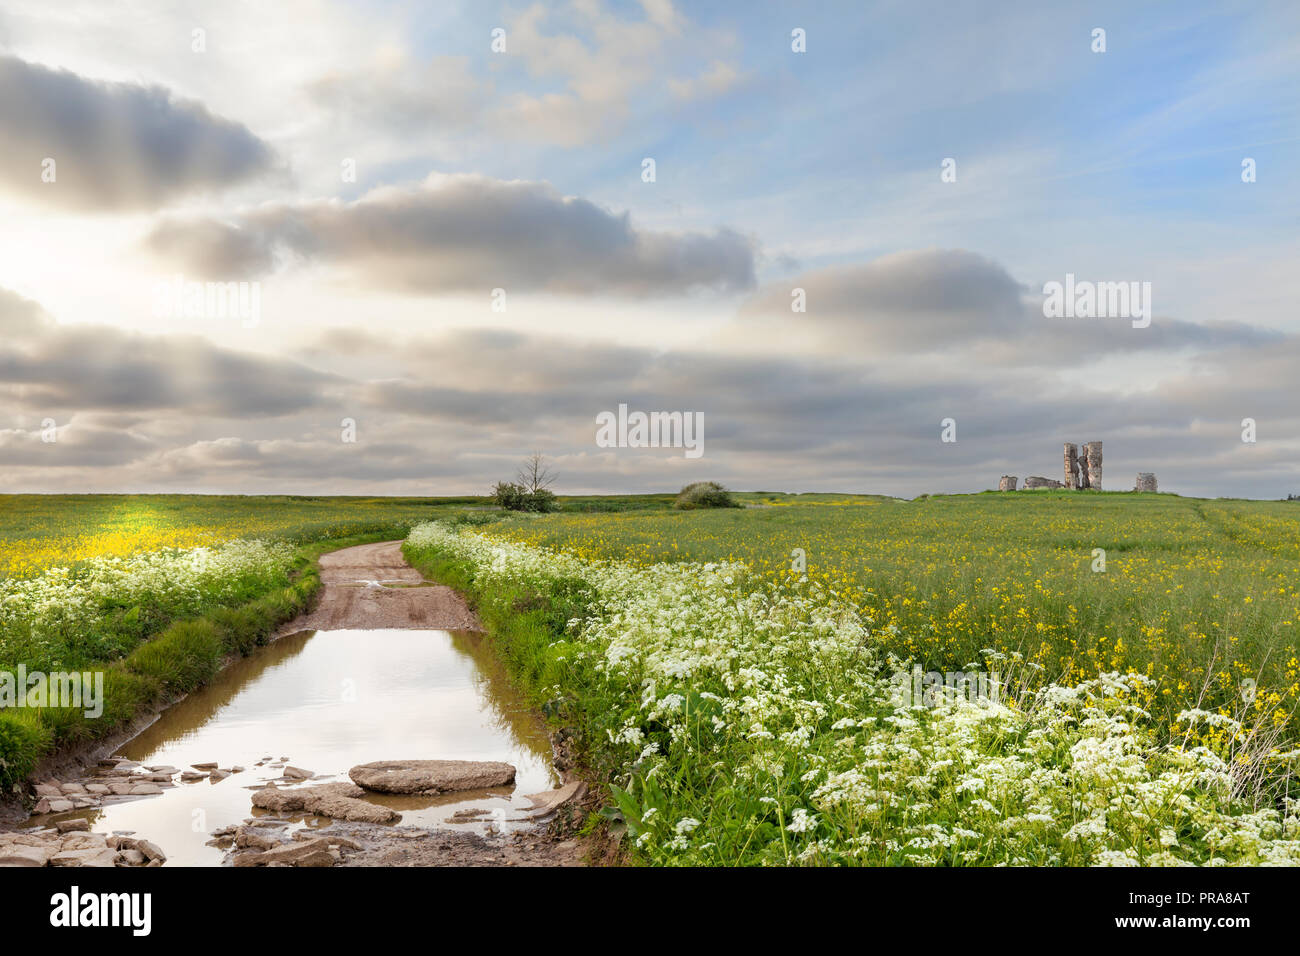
{"x":515,"y":497}
{"x":508,"y":495}
{"x":704,"y":494}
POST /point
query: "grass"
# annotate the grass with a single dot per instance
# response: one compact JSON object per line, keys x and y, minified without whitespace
{"x":739,"y":719}
{"x":1203,"y":597}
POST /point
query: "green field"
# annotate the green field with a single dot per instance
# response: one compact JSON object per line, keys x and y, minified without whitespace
{"x":1200,"y":595}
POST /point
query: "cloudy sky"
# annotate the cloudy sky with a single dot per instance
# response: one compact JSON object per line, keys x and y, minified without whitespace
{"x":460,"y":248}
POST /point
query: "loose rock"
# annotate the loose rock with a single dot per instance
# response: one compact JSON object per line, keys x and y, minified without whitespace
{"x":431,"y":776}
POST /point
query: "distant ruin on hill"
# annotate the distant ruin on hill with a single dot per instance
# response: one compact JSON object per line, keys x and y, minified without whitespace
{"x":1082,"y":470}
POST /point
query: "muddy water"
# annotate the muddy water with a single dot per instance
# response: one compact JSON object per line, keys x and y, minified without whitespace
{"x":328,"y":700}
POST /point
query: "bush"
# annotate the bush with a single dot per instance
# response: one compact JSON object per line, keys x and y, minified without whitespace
{"x":515,"y":497}
{"x":705,"y":494}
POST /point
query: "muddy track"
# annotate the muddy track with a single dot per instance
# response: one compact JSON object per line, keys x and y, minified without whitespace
{"x":371,"y":586}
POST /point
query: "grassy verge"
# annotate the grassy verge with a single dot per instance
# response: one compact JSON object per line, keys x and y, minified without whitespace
{"x":735,"y":721}
{"x":180,"y":656}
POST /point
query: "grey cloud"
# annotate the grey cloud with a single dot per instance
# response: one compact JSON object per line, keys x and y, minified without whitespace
{"x":81,"y":443}
{"x":116,"y":145}
{"x":455,"y":410}
{"x":938,"y":301}
{"x":19,"y":316}
{"x":54,"y":369}
{"x":466,"y":233}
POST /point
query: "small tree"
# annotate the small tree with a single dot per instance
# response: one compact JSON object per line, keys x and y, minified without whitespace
{"x":531,"y":489}
{"x":533,"y":474}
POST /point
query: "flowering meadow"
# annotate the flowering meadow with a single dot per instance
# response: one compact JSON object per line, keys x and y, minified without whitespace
{"x":1200,"y":597}
{"x":65,"y":618}
{"x":42,"y":531}
{"x":741,"y":717}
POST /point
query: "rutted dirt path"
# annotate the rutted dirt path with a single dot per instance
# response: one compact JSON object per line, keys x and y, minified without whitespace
{"x":372,"y":586}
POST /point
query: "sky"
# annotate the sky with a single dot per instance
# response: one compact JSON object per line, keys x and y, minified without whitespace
{"x":453,"y":253}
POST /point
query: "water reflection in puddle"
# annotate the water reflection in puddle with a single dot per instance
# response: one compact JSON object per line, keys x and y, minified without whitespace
{"x":329,"y":700}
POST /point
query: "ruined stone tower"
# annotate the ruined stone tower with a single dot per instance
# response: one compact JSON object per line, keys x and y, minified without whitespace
{"x":1007,"y":483}
{"x":1093,"y":452}
{"x":1071,"y":465}
{"x":1146,"y":481}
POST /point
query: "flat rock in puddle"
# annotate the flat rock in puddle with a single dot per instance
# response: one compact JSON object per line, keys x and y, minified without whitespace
{"x":340,"y":801}
{"x":431,"y":776}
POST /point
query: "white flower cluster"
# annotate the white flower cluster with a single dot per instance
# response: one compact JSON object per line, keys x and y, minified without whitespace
{"x":62,"y":602}
{"x":756,"y":724}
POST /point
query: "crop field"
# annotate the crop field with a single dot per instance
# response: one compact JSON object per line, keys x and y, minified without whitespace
{"x":1202,"y":597}
{"x":741,"y":713}
{"x":43,"y":531}
{"x":731,"y":670}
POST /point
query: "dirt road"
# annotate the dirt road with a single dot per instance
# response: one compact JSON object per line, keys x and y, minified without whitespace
{"x":372,"y":586}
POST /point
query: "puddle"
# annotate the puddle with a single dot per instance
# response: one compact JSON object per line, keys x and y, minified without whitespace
{"x":329,"y":700}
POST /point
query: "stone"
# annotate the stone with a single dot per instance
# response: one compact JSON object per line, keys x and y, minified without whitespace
{"x":97,"y":788}
{"x":210,"y":765}
{"x":293,"y":852}
{"x":340,"y":801}
{"x":190,"y":775}
{"x":431,"y":776}
{"x":1146,"y":481}
{"x":297,"y":773}
{"x":248,"y":838}
{"x":1007,"y":483}
{"x":145,"y":790}
{"x":48,"y":790}
{"x":131,"y":858}
{"x":351,"y":808}
{"x":547,"y":802}
{"x":218,"y":775}
{"x":67,"y":826}
{"x":1037,"y":481}
{"x":318,"y":858}
{"x":84,"y":841}
{"x":71,"y":788}
{"x":91,"y":856}
{"x":151,"y":851}
{"x":20,"y":855}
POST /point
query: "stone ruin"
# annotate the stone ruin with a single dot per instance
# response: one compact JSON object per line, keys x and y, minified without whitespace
{"x":1082,"y":470}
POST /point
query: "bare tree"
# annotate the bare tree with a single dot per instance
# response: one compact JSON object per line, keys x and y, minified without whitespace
{"x":533,"y":475}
